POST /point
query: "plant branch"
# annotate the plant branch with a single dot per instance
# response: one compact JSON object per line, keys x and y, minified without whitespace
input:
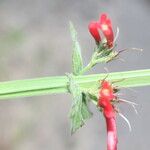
{"x":54,"y":85}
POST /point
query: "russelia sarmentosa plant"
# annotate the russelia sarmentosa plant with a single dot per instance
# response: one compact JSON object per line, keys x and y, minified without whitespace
{"x":100,"y":89}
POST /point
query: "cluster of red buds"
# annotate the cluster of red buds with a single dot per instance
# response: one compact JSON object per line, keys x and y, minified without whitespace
{"x":104,"y":25}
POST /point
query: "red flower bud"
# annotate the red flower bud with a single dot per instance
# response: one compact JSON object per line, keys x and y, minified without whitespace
{"x":104,"y":24}
{"x":106,"y":94}
{"x":107,"y":90}
{"x":93,"y":28}
{"x":106,"y":27}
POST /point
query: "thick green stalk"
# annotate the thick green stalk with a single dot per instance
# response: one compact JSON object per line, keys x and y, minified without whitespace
{"x":54,"y":85}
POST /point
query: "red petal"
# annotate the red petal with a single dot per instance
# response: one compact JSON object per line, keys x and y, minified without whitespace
{"x":103,"y":18}
{"x":105,"y":84}
{"x":106,"y":27}
{"x":103,"y":102}
{"x":106,"y":91}
{"x":108,"y":22}
{"x":94,"y":31}
{"x":108,"y":33}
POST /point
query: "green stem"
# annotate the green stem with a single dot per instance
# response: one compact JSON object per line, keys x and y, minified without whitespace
{"x":90,"y":64}
{"x":54,"y":85}
{"x":87,"y":68}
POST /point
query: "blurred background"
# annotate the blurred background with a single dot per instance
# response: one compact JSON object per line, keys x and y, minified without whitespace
{"x":35,"y":42}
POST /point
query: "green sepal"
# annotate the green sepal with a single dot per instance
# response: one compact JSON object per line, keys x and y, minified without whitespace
{"x":77,"y":63}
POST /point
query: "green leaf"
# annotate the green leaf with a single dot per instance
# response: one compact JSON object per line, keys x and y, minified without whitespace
{"x":77,"y":63}
{"x":79,"y":111}
{"x":86,"y":113}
